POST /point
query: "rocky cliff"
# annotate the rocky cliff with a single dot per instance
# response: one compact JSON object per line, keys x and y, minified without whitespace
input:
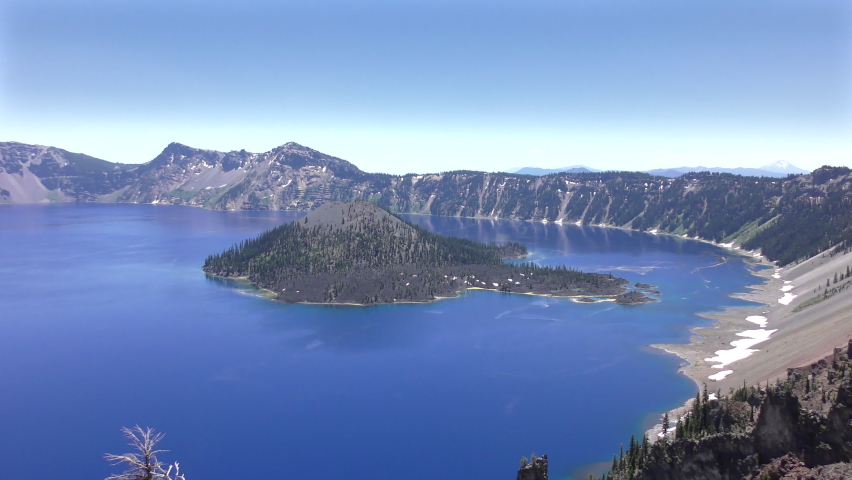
{"x":798,"y":428}
{"x":535,"y":469}
{"x":789,"y":219}
{"x":33,"y":174}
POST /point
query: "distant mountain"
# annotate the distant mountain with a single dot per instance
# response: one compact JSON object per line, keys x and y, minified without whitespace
{"x":784,"y":168}
{"x":288,"y":177}
{"x":547,"y":171}
{"x":33,"y":173}
{"x":666,"y":172}
{"x":777,"y":170}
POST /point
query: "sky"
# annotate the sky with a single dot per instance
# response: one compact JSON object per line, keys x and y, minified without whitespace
{"x":428,"y":86}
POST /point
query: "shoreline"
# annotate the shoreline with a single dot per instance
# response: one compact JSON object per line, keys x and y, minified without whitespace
{"x":271,"y":295}
{"x":706,"y":341}
{"x":762,"y":342}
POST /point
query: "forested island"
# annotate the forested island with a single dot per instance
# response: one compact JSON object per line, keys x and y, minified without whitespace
{"x":359,"y":253}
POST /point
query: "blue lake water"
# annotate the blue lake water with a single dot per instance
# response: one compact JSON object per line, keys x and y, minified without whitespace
{"x":106,"y":320}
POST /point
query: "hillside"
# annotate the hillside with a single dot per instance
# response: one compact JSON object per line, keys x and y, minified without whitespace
{"x":788,"y":219}
{"x":359,"y":253}
{"x":797,"y":428}
{"x":32,"y":174}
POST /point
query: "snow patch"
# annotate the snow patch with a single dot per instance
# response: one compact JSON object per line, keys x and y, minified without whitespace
{"x":787,"y":298}
{"x":742,"y":348}
{"x":720,"y":375}
{"x":760,"y":320}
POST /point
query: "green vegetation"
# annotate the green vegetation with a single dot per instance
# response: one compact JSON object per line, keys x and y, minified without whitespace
{"x":797,"y":426}
{"x":360,"y":253}
{"x":829,"y":291}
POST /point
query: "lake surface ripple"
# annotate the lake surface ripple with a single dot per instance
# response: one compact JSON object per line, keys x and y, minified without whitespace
{"x":108,"y":321}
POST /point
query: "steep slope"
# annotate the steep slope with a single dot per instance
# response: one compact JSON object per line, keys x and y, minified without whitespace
{"x":798,"y":428}
{"x":288,"y":177}
{"x":33,"y":174}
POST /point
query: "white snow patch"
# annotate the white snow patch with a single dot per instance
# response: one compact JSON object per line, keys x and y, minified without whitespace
{"x":711,"y":396}
{"x":787,"y":288}
{"x":720,"y":375}
{"x":787,"y":298}
{"x":742,"y":348}
{"x":492,"y":283}
{"x":760,"y":320}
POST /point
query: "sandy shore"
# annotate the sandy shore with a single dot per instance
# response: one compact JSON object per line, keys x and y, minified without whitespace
{"x":771,"y":337}
{"x":794,"y":338}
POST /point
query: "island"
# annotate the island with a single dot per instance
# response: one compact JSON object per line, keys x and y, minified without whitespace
{"x":360,"y":254}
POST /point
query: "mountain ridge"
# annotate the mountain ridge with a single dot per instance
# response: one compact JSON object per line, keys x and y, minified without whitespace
{"x":776,"y":169}
{"x":788,"y":219}
{"x":547,"y":171}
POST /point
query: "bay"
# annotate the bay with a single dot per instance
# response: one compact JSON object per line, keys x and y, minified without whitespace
{"x":108,"y":321}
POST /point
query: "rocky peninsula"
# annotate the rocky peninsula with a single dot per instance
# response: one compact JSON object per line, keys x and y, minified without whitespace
{"x":358,"y":253}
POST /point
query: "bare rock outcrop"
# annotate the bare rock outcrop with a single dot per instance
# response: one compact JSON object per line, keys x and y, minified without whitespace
{"x":534,"y":470}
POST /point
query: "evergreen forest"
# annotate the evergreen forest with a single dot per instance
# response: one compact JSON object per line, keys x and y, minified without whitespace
{"x":358,"y":253}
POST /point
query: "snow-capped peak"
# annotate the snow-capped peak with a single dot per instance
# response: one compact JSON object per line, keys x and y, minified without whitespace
{"x":783,"y":166}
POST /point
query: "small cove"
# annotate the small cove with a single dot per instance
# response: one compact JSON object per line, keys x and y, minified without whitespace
{"x":108,"y":322}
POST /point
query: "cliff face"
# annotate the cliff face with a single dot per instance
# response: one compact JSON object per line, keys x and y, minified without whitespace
{"x":34,"y":174}
{"x":787,"y":218}
{"x":290,"y":177}
{"x":534,"y":470}
{"x":801,"y":429}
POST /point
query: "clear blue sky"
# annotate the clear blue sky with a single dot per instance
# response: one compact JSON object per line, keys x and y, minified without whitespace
{"x":419,"y":86}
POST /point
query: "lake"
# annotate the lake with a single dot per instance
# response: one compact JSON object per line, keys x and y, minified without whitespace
{"x":108,"y":321}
